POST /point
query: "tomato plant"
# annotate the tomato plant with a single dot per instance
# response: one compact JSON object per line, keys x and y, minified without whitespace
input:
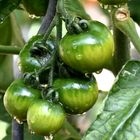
{"x":47,"y":119}
{"x":56,"y":92}
{"x":18,"y":97}
{"x":78,"y":51}
{"x":76,"y":95}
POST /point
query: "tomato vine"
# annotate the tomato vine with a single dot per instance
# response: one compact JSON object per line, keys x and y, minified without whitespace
{"x":60,"y":69}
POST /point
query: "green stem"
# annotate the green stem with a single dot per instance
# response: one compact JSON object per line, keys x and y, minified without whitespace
{"x":125,"y":23}
{"x":48,"y":31}
{"x":59,"y":27}
{"x":9,"y":49}
{"x":122,"y":47}
{"x":122,"y":50}
{"x":72,"y":130}
{"x":48,"y":17}
{"x":51,"y":73}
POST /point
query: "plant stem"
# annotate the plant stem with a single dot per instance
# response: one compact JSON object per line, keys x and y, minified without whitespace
{"x":48,"y":17}
{"x":59,"y":27}
{"x":125,"y":23}
{"x":122,"y":48}
{"x":72,"y":130}
{"x":47,"y":33}
{"x":17,"y":131}
{"x":9,"y":49}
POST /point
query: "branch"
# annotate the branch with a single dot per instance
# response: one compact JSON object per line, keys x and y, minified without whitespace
{"x":17,"y":131}
{"x":48,"y":17}
{"x":9,"y":49}
{"x":125,"y":24}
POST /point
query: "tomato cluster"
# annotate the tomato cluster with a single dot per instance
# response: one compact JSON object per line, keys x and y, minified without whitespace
{"x":73,"y":88}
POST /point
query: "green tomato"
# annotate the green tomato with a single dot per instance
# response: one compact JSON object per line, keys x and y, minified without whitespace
{"x":45,"y":118}
{"x":36,"y":7}
{"x":29,"y":63}
{"x":113,"y":2}
{"x":76,"y":95}
{"x":18,"y":97}
{"x":89,"y":51}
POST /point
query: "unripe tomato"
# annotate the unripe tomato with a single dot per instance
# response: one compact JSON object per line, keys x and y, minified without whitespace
{"x":113,"y":2}
{"x":88,"y":51}
{"x":36,"y":7}
{"x":18,"y":97}
{"x":45,"y":118}
{"x":29,"y":63}
{"x":76,"y":95}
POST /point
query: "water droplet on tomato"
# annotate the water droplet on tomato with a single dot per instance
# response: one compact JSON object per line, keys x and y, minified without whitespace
{"x":98,"y":72}
{"x":83,"y":113}
{"x":33,"y":16}
{"x":79,"y":57}
{"x":32,"y":132}
{"x":50,"y":137}
{"x":1,"y":20}
{"x":17,"y":120}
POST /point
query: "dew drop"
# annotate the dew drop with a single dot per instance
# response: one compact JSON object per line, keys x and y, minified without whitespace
{"x":79,"y":57}
{"x":33,"y":16}
{"x":32,"y":132}
{"x":50,"y":137}
{"x":17,"y":120}
{"x":98,"y":72}
{"x":1,"y":20}
{"x":83,"y":113}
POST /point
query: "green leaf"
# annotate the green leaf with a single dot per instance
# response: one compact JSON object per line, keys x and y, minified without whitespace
{"x":122,"y":103}
{"x":131,"y":129}
{"x":6,"y":7}
{"x":72,"y":8}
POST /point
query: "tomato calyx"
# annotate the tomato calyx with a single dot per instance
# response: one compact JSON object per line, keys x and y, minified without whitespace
{"x":76,"y":25}
{"x":40,"y":49}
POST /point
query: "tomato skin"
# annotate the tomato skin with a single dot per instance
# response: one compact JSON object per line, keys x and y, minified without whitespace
{"x":113,"y":2}
{"x":18,"y":97}
{"x":88,"y":51}
{"x":44,"y":117}
{"x":36,"y":7}
{"x":28,"y":63}
{"x":76,"y":95}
